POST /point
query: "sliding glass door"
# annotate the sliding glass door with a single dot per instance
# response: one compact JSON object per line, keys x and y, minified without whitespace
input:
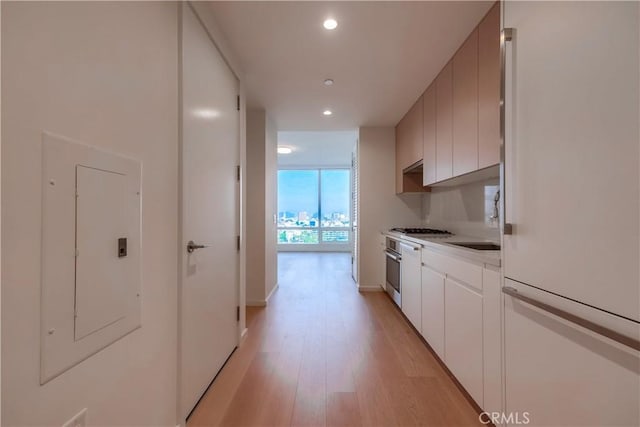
{"x":314,"y":209}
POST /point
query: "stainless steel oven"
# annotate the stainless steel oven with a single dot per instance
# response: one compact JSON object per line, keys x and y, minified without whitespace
{"x":393,"y":260}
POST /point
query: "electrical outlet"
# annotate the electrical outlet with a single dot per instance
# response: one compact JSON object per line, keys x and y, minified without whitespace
{"x":78,"y":420}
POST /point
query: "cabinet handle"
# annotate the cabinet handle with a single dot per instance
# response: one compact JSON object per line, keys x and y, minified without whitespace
{"x":413,"y":248}
{"x":506,"y":35}
{"x":587,"y":324}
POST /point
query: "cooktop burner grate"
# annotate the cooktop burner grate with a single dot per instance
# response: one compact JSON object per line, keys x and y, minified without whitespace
{"x":417,"y":230}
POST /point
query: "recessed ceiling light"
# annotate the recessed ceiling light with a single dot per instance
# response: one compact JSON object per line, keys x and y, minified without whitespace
{"x":327,"y":112}
{"x":284,"y":150}
{"x":328,"y":82}
{"x":206,"y":113}
{"x":330,"y":24}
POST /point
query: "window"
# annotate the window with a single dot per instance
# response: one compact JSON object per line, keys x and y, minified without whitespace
{"x":314,"y":206}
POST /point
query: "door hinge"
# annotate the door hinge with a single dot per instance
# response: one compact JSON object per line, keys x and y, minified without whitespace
{"x":238,"y":313}
{"x":238,"y":243}
{"x":238,"y":102}
{"x":238,"y":173}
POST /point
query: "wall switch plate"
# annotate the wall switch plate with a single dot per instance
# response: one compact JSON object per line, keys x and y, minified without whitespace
{"x":78,"y":420}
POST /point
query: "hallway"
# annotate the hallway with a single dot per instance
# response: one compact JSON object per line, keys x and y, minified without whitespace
{"x":322,"y":353}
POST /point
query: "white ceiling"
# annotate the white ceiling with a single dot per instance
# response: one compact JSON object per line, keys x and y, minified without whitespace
{"x":382,"y":56}
{"x":317,"y":148}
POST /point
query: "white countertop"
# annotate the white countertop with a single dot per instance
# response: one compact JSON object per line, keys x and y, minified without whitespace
{"x":443,"y":244}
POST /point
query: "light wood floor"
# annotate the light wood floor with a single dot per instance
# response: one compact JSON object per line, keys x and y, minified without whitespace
{"x":323,"y":354}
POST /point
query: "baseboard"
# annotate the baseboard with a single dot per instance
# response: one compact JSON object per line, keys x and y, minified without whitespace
{"x":257,"y":303}
{"x":264,"y":302}
{"x":271,"y":293}
{"x":369,"y":288}
{"x":243,"y":334}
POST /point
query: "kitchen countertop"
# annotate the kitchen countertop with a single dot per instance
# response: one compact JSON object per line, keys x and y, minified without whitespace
{"x":443,"y":245}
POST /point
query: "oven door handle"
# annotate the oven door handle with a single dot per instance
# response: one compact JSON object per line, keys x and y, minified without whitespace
{"x":392,"y":256}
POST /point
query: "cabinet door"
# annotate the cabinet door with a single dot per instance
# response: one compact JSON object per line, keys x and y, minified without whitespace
{"x":463,"y":336}
{"x":444,"y":123}
{"x":433,"y":309}
{"x":411,"y":286}
{"x":429,"y":136}
{"x":409,"y":149}
{"x":562,"y":374}
{"x":465,"y":106}
{"x":409,"y":137}
{"x":415,"y":133}
{"x":492,"y":347}
{"x":401,"y":152}
{"x":489,"y":89}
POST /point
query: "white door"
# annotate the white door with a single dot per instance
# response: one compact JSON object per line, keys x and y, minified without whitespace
{"x":209,"y":276}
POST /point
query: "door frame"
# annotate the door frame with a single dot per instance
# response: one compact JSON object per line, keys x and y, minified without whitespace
{"x":212,"y":29}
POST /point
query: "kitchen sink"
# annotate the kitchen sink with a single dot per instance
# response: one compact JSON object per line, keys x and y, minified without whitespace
{"x":479,"y":246}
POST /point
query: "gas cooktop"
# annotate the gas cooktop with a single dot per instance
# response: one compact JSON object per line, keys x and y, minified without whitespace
{"x":421,"y":231}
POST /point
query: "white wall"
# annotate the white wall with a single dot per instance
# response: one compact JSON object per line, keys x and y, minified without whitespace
{"x":271,"y":206}
{"x":463,"y":209}
{"x":104,"y":74}
{"x":379,"y":207}
{"x":261,"y":206}
{"x":255,"y":206}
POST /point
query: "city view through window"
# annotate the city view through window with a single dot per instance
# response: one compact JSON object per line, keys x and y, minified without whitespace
{"x":314,"y":206}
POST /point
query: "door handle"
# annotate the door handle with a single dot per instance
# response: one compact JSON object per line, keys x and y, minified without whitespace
{"x":192,"y":246}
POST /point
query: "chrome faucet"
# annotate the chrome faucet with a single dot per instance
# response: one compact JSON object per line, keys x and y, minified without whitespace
{"x":496,"y":211}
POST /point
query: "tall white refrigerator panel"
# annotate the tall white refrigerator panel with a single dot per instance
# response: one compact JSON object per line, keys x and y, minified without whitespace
{"x":572,"y":198}
{"x":572,"y":184}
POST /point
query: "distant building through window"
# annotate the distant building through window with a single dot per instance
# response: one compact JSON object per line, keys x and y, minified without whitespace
{"x":314,"y":206}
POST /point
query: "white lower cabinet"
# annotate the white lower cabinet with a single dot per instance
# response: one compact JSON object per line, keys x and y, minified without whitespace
{"x":433,"y":309}
{"x":411,"y":284}
{"x":558,"y":373}
{"x":463,"y":337}
{"x":492,"y":339}
{"x":461,"y":321}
